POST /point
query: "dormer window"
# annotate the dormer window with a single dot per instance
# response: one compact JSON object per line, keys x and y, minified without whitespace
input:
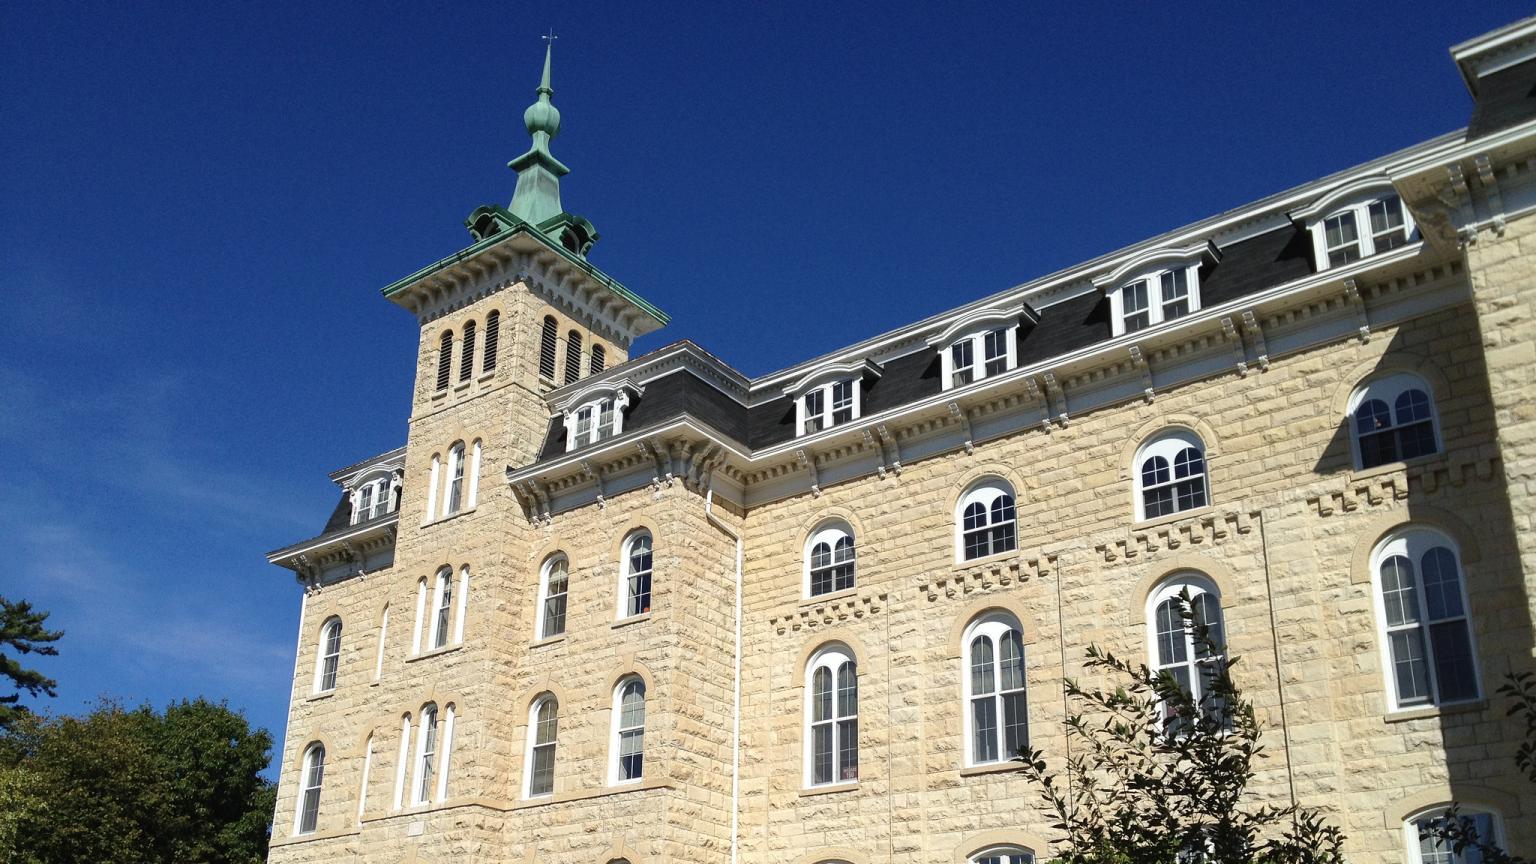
{"x":1155,"y":287}
{"x":596,"y":414}
{"x":594,"y":422}
{"x":1357,"y":221}
{"x":831,"y":395}
{"x":981,"y":344}
{"x":372,"y":499}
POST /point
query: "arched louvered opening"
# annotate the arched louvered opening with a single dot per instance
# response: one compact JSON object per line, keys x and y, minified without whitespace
{"x":599,"y":358}
{"x":572,"y":356}
{"x":467,"y":361}
{"x":492,"y":337}
{"x":547,"y":338}
{"x":444,"y":360}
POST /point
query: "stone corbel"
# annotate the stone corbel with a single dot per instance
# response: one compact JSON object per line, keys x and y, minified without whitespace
{"x":682,"y":454}
{"x":872,"y":444}
{"x":1229,"y":332}
{"x":1139,"y":361}
{"x":715,"y":458}
{"x":1256,"y":333}
{"x":658,"y":454}
{"x":808,"y":461}
{"x":1035,"y":395}
{"x":1055,"y":396}
{"x":889,"y":440}
{"x":596,"y":476}
{"x":539,"y":499}
{"x":1490,"y":183}
{"x":1466,"y":232}
{"x":958,"y":413}
{"x":1357,"y":303}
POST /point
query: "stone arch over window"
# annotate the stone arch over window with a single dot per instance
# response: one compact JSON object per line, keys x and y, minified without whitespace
{"x":834,"y":855}
{"x":1443,"y":520}
{"x":829,"y":558}
{"x":1488,"y":823}
{"x":1214,"y":570}
{"x":1424,"y":620}
{"x":986,"y":519}
{"x":1170,"y":474}
{"x":994,"y":689}
{"x":976,"y":846}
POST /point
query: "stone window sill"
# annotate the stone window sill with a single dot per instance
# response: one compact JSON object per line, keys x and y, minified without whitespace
{"x":1160,"y":521}
{"x":831,"y":596}
{"x":449,"y":518}
{"x":987,"y":560}
{"x":584,"y":794}
{"x":316,"y":697}
{"x":547,"y":641}
{"x":991,"y":768}
{"x":486,"y":376}
{"x":1395,"y":467}
{"x":633,"y":619}
{"x":830,"y":789}
{"x":1429,"y":711}
{"x":435,"y":652}
{"x":314,"y":836}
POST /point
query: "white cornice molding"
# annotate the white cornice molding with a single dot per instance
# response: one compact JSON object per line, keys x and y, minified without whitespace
{"x":862,"y":369}
{"x":1344,"y":193}
{"x":394,"y":460}
{"x":1004,"y":313}
{"x":621,"y":387}
{"x":1205,"y":251}
{"x":1495,"y":50}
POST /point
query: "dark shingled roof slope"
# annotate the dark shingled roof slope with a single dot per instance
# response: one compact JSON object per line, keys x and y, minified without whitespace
{"x":1504,"y":98}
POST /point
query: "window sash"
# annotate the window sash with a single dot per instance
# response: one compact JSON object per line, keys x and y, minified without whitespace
{"x":842,"y":402}
{"x":331,"y":660}
{"x":962,"y":356}
{"x":995,"y":351}
{"x":309,"y":809}
{"x":444,"y":611}
{"x":555,"y":588}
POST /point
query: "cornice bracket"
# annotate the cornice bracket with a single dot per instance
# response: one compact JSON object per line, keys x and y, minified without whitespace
{"x":958,"y":413}
{"x":1229,"y":332}
{"x":1256,"y":333}
{"x":808,"y":461}
{"x":1357,"y":302}
{"x":1056,"y":398}
{"x":1490,"y":184}
{"x":1139,"y":361}
{"x":889,"y":440}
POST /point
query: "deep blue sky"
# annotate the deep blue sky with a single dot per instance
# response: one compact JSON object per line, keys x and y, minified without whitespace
{"x":197,"y":210}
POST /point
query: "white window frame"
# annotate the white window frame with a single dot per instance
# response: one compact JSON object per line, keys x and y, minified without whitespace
{"x":463,"y":604}
{"x":1197,"y":584}
{"x":1004,"y":854}
{"x":993,"y":625}
{"x":628,"y":574}
{"x":533,"y":743}
{"x":585,"y":423}
{"x":986,"y":492}
{"x":1156,"y":299}
{"x":427,"y":744}
{"x":809,"y":420}
{"x":372,"y":498}
{"x":453,"y":485}
{"x":617,"y":731}
{"x":1358,"y":208}
{"x":421,"y":614}
{"x":403,"y":761}
{"x":977,"y":340}
{"x":444,"y":753}
{"x":442,"y":610}
{"x":437,"y":467}
{"x":327,"y":654}
{"x":830,"y":533}
{"x":1411,"y":829}
{"x":1414,"y":542}
{"x":1387,"y":388}
{"x":545,"y":570}
{"x":830,"y":658}
{"x":362,"y":785}
{"x":311,"y":784}
{"x":1169,"y":445}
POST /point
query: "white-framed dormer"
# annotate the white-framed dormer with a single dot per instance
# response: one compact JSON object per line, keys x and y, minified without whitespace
{"x":1156,"y":286}
{"x":1355,"y":221}
{"x":596,"y":413}
{"x":981,"y":344}
{"x":830,"y":395}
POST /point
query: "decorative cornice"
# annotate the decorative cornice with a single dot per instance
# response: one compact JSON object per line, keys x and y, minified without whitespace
{"x":862,"y":369}
{"x":1343,"y":193}
{"x":1204,"y":251}
{"x":966,"y":579}
{"x":812,"y":615}
{"x":1207,"y":528}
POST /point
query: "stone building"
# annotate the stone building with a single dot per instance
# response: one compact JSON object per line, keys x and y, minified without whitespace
{"x":602,"y":608}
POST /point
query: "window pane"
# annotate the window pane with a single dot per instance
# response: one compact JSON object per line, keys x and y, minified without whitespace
{"x":1157,"y":502}
{"x":1408,"y":666}
{"x":962,"y":357}
{"x":984,"y":729}
{"x":847,"y":691}
{"x":981,"y":666}
{"x":821,"y":694}
{"x":1175,"y":288}
{"x":842,"y":401}
{"x":1417,"y":439}
{"x":1171,"y":643}
{"x":1442,"y":584}
{"x":1015,"y":724}
{"x":1154,"y":471}
{"x":1207,"y":611}
{"x":821,"y":753}
{"x":1340,"y":230}
{"x":631,"y":754}
{"x":1011,"y":665}
{"x":1399,"y":600}
{"x":848,"y":750}
{"x":1454,"y":673}
{"x":1190,"y":493}
{"x":995,"y":346}
{"x":543,"y":780}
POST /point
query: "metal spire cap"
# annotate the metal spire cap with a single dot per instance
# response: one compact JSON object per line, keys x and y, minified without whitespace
{"x":543,"y":116}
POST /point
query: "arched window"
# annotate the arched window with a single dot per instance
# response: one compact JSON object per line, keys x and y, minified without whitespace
{"x":829,"y":559}
{"x":599,"y":358}
{"x":454,"y":499}
{"x":628,"y":731}
{"x":402,"y":761}
{"x":444,"y":359}
{"x":543,"y":729}
{"x":1392,"y":419}
{"x":372,"y":499}
{"x":426,"y":755}
{"x":362,"y":784}
{"x":594,"y":421}
{"x":378,"y":660}
{"x":458,"y":621}
{"x":492,"y":339}
{"x":467,"y":357}
{"x":832,"y":717}
{"x":421,"y":613}
{"x":986,"y":521}
{"x":637,"y":574}
{"x":572,"y":356}
{"x":1004,"y":855}
{"x":329,"y":656}
{"x":554,"y":582}
{"x":1426,"y":626}
{"x":437,"y":467}
{"x":309,"y":789}
{"x":1170,"y":475}
{"x":1174,"y":647}
{"x":547,"y":335}
{"x":442,"y":602}
{"x":996,"y":715}
{"x":1426,"y":846}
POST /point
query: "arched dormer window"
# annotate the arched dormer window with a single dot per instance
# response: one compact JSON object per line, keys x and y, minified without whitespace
{"x":328,"y":658}
{"x":832,"y":717}
{"x":1425,"y":620}
{"x":373,"y":498}
{"x":981,"y":344}
{"x":1155,"y":287}
{"x":467,"y":355}
{"x":830,"y":395}
{"x":444,"y":359}
{"x":1170,"y":475}
{"x":1004,"y":855}
{"x":829,"y":559}
{"x":1426,"y":845}
{"x":548,"y":334}
{"x":628,"y":745}
{"x":1392,"y":419}
{"x":492,"y":341}
{"x":1172,"y":641}
{"x":996,"y":708}
{"x":543,"y":731}
{"x":985,"y":523}
{"x":554,"y":583}
{"x":636,"y":588}
{"x":572,"y":356}
{"x":596,"y":413}
{"x":1356,"y":221}
{"x":308,"y":815}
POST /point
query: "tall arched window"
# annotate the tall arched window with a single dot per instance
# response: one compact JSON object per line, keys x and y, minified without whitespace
{"x":467,"y":355}
{"x":362,"y":783}
{"x":996,"y":715}
{"x":1426,"y":846}
{"x":554,"y":582}
{"x":637,"y":574}
{"x":458,"y":621}
{"x":1392,"y":418}
{"x":628,"y":731}
{"x":1425,"y":621}
{"x":1170,"y":475}
{"x":432,"y":477}
{"x":1174,"y":647}
{"x":985,"y":520}
{"x":308,"y":815}
{"x":599,"y":357}
{"x":829,"y":559}
{"x":444,"y":359}
{"x":426,"y":755}
{"x":572,"y":356}
{"x":402,"y":761}
{"x":442,"y":602}
{"x":832,"y":717}
{"x":329,"y":656}
{"x":543,"y":730}
{"x":454,"y":498}
{"x":548,"y":333}
{"x":1004,"y":855}
{"x":492,"y":340}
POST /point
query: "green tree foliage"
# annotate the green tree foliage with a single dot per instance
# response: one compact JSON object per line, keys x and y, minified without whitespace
{"x":135,"y":787}
{"x":1157,"y":776}
{"x":22,"y":631}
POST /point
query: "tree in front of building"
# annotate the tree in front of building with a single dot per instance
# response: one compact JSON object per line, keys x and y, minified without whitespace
{"x":22,"y":632}
{"x":1157,"y":775}
{"x":135,"y":787}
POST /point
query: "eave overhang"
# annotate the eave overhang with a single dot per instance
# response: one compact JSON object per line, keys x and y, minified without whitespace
{"x":307,"y":556}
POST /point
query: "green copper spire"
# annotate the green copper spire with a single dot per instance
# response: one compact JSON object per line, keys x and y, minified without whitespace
{"x":537,"y":196}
